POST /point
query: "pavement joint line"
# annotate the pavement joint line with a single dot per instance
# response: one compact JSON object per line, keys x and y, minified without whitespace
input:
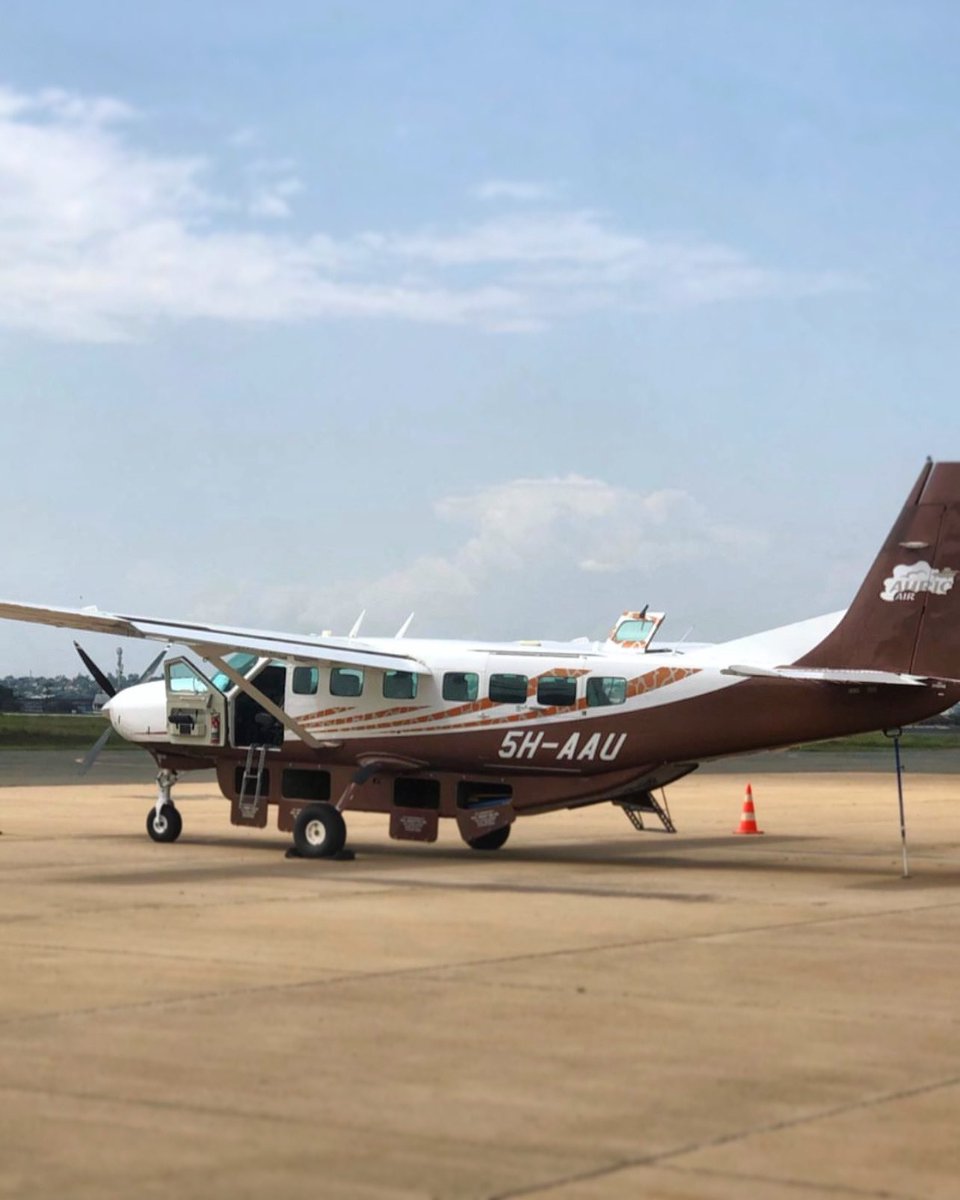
{"x":159,"y":955}
{"x":666,"y":1157}
{"x":433,"y":969}
{"x":256,"y":1115}
{"x":661,"y":1160}
{"x":742,"y":1005}
{"x":836,"y":1189}
{"x":209,"y":1110}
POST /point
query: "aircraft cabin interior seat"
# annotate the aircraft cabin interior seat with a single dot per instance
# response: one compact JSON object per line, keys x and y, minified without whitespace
{"x":456,"y":687}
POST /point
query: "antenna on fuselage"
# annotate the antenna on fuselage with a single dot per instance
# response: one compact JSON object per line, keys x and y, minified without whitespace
{"x":401,"y":632}
{"x":357,"y":623}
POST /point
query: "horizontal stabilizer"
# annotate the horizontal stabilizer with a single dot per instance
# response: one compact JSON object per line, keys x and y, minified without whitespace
{"x":827,"y":675}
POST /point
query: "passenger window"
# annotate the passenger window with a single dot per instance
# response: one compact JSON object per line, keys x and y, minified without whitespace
{"x":306,"y":680}
{"x":606,"y":690}
{"x":399,"y":685}
{"x":508,"y":689}
{"x":346,"y":681}
{"x":556,"y":689}
{"x":461,"y":685}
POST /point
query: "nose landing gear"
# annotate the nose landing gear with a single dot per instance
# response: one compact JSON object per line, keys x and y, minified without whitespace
{"x":164,"y":823}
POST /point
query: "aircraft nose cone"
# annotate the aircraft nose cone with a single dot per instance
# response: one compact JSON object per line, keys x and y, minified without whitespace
{"x":111,"y":711}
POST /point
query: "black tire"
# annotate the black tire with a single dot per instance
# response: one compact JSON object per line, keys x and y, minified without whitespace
{"x":165,"y":826}
{"x":490,"y":841}
{"x":320,"y":831}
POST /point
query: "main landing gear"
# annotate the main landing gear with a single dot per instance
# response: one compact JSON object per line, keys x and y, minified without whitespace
{"x":320,"y":831}
{"x":490,"y":841}
{"x":164,"y":823}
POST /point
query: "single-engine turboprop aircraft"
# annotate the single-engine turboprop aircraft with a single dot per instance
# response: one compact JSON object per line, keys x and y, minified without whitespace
{"x":486,"y":732}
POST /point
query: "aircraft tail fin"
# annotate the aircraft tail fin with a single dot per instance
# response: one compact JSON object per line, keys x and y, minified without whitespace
{"x":906,"y":615}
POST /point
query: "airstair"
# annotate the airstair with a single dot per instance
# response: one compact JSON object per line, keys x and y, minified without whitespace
{"x":251,"y":783}
{"x":645,"y":802}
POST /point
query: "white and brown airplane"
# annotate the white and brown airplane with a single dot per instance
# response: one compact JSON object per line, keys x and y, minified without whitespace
{"x":487,"y":732}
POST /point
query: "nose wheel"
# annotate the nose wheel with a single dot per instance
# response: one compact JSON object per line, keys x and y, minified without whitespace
{"x":164,"y":823}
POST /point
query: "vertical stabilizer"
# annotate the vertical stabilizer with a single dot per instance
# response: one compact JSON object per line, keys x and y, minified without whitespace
{"x":906,"y":615}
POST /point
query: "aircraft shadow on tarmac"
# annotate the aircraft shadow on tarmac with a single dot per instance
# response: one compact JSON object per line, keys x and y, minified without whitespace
{"x":794,"y":855}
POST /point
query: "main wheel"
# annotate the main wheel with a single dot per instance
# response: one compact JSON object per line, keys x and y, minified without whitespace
{"x":165,"y":825}
{"x":490,"y":841}
{"x":320,"y":831}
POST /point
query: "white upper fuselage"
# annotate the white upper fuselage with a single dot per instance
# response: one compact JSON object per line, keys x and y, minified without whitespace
{"x":661,"y":675}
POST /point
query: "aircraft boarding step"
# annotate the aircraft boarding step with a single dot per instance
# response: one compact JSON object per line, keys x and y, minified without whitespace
{"x":646,"y":803}
{"x":249,"y":805}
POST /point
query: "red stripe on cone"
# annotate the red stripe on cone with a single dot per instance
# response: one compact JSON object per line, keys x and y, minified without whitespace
{"x":748,"y":817}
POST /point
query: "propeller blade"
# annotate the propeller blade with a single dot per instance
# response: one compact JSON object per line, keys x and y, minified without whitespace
{"x":106,"y":685}
{"x":93,"y":752}
{"x":153,"y":666}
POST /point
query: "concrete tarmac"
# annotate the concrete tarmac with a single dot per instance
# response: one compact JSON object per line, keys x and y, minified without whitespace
{"x":590,"y":1013}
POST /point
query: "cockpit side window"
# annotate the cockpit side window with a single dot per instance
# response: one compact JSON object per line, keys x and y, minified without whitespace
{"x":241,"y":663}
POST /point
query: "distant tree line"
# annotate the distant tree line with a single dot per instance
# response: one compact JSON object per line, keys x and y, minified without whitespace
{"x":51,"y":693}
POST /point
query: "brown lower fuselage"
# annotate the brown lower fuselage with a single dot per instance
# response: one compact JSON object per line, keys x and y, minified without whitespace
{"x":660,"y":744}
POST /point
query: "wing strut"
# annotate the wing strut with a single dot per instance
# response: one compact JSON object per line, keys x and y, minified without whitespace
{"x":274,"y":710}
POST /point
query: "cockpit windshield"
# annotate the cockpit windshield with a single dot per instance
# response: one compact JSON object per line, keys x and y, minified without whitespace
{"x":241,"y":663}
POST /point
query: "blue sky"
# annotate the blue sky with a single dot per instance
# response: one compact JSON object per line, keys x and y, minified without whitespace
{"x":515,"y":314}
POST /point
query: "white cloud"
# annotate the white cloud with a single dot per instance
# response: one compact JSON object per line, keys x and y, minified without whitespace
{"x":100,"y":239}
{"x":523,"y":191}
{"x":530,"y":559}
{"x":274,"y":184}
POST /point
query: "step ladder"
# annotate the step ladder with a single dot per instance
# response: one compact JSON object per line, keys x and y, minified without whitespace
{"x":645,"y":802}
{"x":251,"y":784}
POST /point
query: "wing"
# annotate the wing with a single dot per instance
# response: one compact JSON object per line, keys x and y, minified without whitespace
{"x":217,"y":639}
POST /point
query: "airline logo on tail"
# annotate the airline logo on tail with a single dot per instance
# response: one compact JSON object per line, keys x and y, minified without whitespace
{"x":906,"y":582}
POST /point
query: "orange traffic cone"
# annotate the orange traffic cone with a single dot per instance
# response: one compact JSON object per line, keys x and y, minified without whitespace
{"x":748,"y":818}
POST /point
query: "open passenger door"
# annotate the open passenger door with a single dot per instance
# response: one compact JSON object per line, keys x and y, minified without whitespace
{"x":196,"y":710}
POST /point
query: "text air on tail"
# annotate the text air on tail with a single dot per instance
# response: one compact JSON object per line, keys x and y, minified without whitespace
{"x":906,"y":616}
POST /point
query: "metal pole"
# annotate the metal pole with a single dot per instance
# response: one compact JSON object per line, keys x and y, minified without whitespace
{"x":903,"y":819}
